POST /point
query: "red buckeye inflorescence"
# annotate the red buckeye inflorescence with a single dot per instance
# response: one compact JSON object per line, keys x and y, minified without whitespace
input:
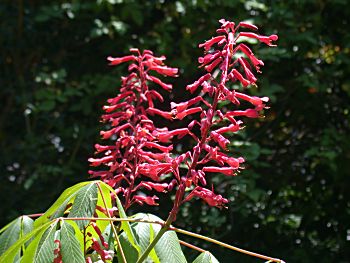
{"x":140,"y":154}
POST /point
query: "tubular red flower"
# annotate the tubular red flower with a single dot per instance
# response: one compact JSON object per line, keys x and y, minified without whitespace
{"x":119,"y":97}
{"x":247,"y":25}
{"x":197,"y":83}
{"x":165,"y":70}
{"x":265,"y":39}
{"x":164,"y":114}
{"x":239,"y":76}
{"x":230,"y":128}
{"x":250,"y":76}
{"x":114,"y":107}
{"x":183,"y":114}
{"x":165,"y":149}
{"x":117,"y":61}
{"x":256,"y":101}
{"x":211,"y":66}
{"x":162,"y":188}
{"x":247,"y":51}
{"x":165,"y":86}
{"x":165,"y":136}
{"x":145,"y":199}
{"x":221,"y":140}
{"x":223,"y":170}
{"x":108,"y":134}
{"x":209,"y":58}
{"x":250,"y":113}
{"x":207,"y":44}
{"x":208,"y":196}
{"x":98,"y":162}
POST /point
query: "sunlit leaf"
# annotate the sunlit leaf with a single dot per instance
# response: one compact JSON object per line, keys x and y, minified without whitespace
{"x":70,"y":247}
{"x":205,"y":257}
{"x":84,"y":204}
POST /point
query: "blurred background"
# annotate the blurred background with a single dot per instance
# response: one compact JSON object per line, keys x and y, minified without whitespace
{"x":292,"y":200}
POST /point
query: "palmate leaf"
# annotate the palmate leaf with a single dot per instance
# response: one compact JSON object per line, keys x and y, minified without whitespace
{"x":70,"y":247}
{"x":10,"y":235}
{"x":44,"y":252}
{"x":32,"y":247}
{"x":104,"y":194}
{"x":58,"y":208}
{"x":78,"y":233}
{"x":144,"y":234}
{"x":168,"y":247}
{"x":27,"y":225}
{"x":10,"y":254}
{"x":85,"y":204}
{"x":14,"y":231}
{"x":125,"y":226}
{"x":205,"y":257}
{"x":130,"y":252}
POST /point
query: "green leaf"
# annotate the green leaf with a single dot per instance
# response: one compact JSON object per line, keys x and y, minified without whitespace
{"x":7,"y":226}
{"x":108,"y":235}
{"x":130,"y":252}
{"x":11,"y":252}
{"x":144,"y":234}
{"x":11,"y":235}
{"x":14,"y":231}
{"x":58,"y":208}
{"x":27,"y":225}
{"x":126,"y":226}
{"x":85,"y":204}
{"x":78,"y":234}
{"x":205,"y":257}
{"x":30,"y":251}
{"x":44,"y":252}
{"x":168,"y":247}
{"x":105,"y":194}
{"x":70,"y":247}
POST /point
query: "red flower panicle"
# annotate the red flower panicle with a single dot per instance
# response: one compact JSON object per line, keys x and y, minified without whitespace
{"x":135,"y":159}
{"x":225,"y":62}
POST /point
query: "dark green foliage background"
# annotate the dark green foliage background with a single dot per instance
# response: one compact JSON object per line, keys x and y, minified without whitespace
{"x":291,"y":202}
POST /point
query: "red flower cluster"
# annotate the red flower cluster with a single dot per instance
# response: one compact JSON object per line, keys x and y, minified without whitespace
{"x":137,"y":158}
{"x":135,"y":154}
{"x":225,"y":61}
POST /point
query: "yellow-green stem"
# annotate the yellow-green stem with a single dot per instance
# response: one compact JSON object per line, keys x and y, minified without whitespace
{"x":161,"y":232}
{"x":112,"y":225}
{"x":253,"y":254}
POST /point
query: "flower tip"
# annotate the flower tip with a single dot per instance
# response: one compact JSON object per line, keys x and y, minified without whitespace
{"x":265,"y":99}
{"x":273,"y":37}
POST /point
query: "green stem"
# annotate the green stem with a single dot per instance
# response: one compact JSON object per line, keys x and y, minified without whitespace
{"x":161,"y":232}
{"x":112,"y":225}
{"x":208,"y":239}
{"x":191,"y":246}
